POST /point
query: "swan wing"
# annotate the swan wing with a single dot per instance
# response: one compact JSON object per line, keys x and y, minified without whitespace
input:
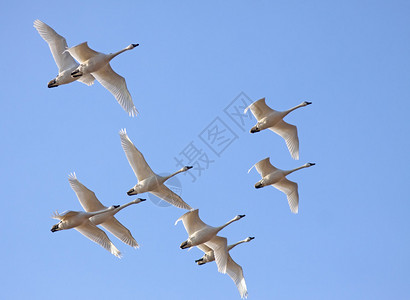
{"x":64,"y":215}
{"x":290,"y":188}
{"x":259,"y":109}
{"x":87,"y":198}
{"x":192,"y":222}
{"x":166,"y":194}
{"x":219,"y":246}
{"x":98,"y":236}
{"x":120,"y":231}
{"x":204,"y":248}
{"x":57,"y":45}
{"x":87,"y":79}
{"x":236,"y":273}
{"x":82,"y":52}
{"x":117,"y":86}
{"x":135,"y":158}
{"x":264,"y":167}
{"x":290,"y":134}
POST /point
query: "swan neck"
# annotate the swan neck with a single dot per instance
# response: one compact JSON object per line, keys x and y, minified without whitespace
{"x":293,"y":170}
{"x":172,"y":175}
{"x":124,"y":206}
{"x":112,"y":55}
{"x":226,"y":224}
{"x":98,"y":212}
{"x":230,"y":247}
{"x":292,"y":109}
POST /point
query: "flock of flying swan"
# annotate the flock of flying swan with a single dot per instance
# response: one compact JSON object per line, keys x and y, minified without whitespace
{"x":93,"y":65}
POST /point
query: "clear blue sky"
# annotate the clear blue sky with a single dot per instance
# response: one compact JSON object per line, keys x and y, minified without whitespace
{"x":350,"y":239}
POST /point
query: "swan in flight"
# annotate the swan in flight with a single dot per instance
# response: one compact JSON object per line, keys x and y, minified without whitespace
{"x":90,"y":203}
{"x":273,"y":120}
{"x":65,"y":62}
{"x":201,"y":233}
{"x":232,"y":268}
{"x":148,"y":181}
{"x":277,"y":178}
{"x":81,"y":222}
{"x":98,"y":65}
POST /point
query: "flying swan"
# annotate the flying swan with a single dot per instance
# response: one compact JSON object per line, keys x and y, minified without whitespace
{"x":81,"y":222}
{"x":65,"y":62}
{"x":98,"y":65}
{"x":201,"y":233}
{"x":232,"y":268}
{"x":148,"y":181}
{"x":277,"y":178}
{"x":90,"y":203}
{"x":273,"y":120}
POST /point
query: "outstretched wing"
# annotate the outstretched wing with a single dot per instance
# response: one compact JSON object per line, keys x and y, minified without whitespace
{"x":290,"y":134}
{"x":87,"y":79}
{"x":98,"y":236}
{"x":165,"y":193}
{"x":87,"y":198}
{"x":259,"y":109}
{"x":82,"y":52}
{"x":219,"y":246}
{"x":120,"y":231}
{"x":57,"y":45}
{"x":236,"y":273}
{"x":116,"y":85}
{"x":192,"y":222}
{"x":137,"y":161}
{"x":264,"y":167}
{"x":290,"y":188}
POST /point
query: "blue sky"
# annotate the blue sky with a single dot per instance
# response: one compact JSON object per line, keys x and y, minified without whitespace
{"x":350,"y":239}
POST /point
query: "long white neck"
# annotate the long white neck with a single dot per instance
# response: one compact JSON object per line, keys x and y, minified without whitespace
{"x":230,"y":247}
{"x":124,"y":206}
{"x":94,"y":213}
{"x":227,"y":223}
{"x":286,"y":112}
{"x":112,"y":55}
{"x":173,"y":174}
{"x":293,"y":170}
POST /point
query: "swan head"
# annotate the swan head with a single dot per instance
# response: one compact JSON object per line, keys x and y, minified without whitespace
{"x":238,"y":217}
{"x":186,"y":168}
{"x":134,"y":191}
{"x":309,"y":164}
{"x":201,"y":261}
{"x":259,"y":185}
{"x":186,"y":244}
{"x":52,"y":83}
{"x":138,"y":200}
{"x":255,"y":129}
{"x":305,"y":103}
{"x":250,"y":238}
{"x":56,"y":227}
{"x":132,"y":46}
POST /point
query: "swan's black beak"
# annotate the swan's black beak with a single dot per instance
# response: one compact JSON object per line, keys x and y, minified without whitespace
{"x":141,"y":199}
{"x":254,"y":129}
{"x":189,"y":167}
{"x":241,"y":216}
{"x":184,"y":245}
{"x":258,"y":185}
{"x":116,"y":206}
{"x":198,"y":260}
{"x":131,"y":192}
{"x":52,"y":84}
{"x":135,"y":45}
{"x":251,"y":238}
{"x":54,"y":228}
{"x":308,"y":103}
{"x":312,"y":164}
{"x":76,"y":74}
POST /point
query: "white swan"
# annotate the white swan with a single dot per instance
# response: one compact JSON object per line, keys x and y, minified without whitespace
{"x":98,"y":65}
{"x":273,"y":120}
{"x":90,"y":203}
{"x":80,"y":221}
{"x":201,"y":233}
{"x":277,"y":178}
{"x":148,"y":181}
{"x":232,"y":268}
{"x":65,"y":63}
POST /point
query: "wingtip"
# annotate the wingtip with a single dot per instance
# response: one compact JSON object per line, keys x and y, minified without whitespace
{"x":123,"y":132}
{"x":72,"y":176}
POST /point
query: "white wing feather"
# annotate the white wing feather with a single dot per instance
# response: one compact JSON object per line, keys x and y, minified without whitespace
{"x":236,"y":273}
{"x":290,"y":134}
{"x":192,"y":222}
{"x":166,"y":194}
{"x":219,"y":246}
{"x":259,"y":109}
{"x":290,"y":188}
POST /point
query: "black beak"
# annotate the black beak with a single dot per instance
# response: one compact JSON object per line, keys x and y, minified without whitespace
{"x":251,"y":237}
{"x":198,"y":260}
{"x":241,"y":216}
{"x":253,"y":130}
{"x":130,"y":192}
{"x":312,"y":164}
{"x":116,"y":206}
{"x":184,"y":245}
{"x":135,"y":45}
{"x":54,"y":228}
{"x":258,"y":185}
{"x":308,"y":103}
{"x":142,"y":199}
{"x":189,"y":167}
{"x":52,"y":84}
